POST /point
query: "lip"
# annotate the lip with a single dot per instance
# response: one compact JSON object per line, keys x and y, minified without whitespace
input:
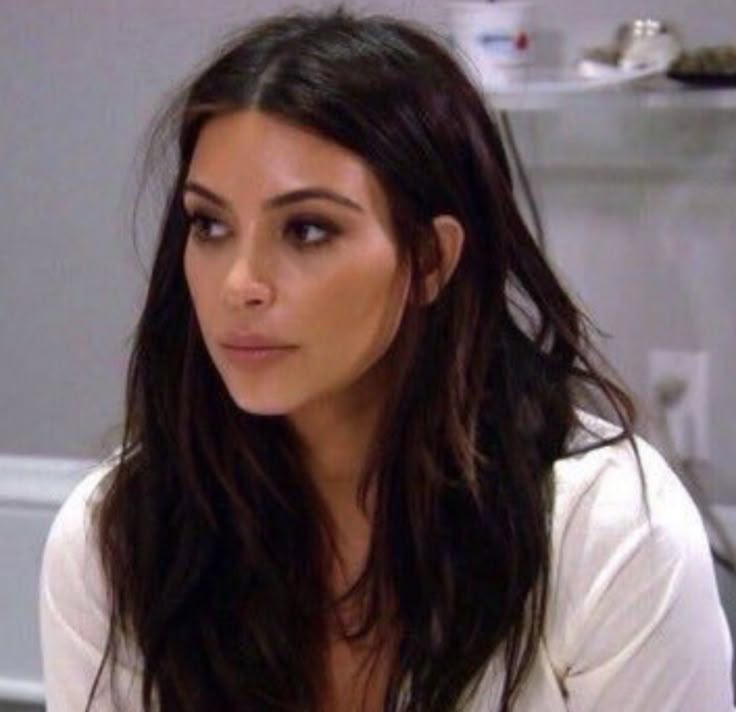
{"x":239,"y":341}
{"x":251,"y":348}
{"x":251,"y":356}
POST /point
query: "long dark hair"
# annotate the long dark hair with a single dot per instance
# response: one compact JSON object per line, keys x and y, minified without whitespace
{"x":211,"y":535}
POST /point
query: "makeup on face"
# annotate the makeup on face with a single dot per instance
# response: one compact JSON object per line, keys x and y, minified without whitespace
{"x":291,"y":264}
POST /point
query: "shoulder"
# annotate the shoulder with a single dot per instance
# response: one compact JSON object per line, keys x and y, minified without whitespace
{"x":620,"y":491}
{"x":71,"y":582}
{"x":70,"y":535}
{"x":631,"y":577}
{"x":74,"y":608}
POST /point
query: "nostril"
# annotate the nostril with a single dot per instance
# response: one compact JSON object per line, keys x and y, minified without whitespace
{"x":255,"y":300}
{"x":251,"y":294}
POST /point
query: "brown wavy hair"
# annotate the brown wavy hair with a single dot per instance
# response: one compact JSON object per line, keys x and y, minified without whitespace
{"x":211,"y":533}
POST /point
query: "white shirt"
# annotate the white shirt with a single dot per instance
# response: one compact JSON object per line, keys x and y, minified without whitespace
{"x":634,"y":622}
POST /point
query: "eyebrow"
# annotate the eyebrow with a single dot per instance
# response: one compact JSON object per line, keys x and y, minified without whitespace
{"x":293,"y":196}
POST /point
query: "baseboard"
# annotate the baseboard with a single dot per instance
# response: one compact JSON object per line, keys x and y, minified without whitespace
{"x":30,"y":481}
{"x":23,"y":691}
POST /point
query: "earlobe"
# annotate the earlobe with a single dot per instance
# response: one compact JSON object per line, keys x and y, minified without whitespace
{"x":450,"y":239}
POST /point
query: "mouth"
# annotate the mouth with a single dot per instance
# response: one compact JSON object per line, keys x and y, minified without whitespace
{"x":251,"y":340}
{"x":256,"y":354}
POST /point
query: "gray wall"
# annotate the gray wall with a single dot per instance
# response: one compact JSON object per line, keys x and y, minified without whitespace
{"x":638,"y":207}
{"x":640,"y":218}
{"x":79,"y":82}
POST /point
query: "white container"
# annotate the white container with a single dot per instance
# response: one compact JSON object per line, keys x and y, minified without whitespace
{"x":494,"y":38}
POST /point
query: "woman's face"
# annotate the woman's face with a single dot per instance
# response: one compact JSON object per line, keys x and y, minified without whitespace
{"x":291,"y":264}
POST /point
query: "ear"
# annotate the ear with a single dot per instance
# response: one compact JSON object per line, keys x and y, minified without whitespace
{"x":450,"y":239}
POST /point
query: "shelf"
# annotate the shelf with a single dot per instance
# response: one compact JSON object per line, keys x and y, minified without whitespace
{"x":655,"y":93}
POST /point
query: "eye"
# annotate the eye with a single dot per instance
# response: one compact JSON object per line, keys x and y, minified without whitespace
{"x":205,"y":229}
{"x":310,"y":232}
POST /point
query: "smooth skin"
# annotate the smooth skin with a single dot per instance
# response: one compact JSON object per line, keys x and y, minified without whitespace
{"x":291,"y":239}
{"x":316,"y":273}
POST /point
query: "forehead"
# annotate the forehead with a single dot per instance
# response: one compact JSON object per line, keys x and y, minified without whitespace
{"x":242,"y":153}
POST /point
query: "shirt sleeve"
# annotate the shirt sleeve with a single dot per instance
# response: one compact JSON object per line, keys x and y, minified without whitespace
{"x":74,"y":613}
{"x":640,"y":626}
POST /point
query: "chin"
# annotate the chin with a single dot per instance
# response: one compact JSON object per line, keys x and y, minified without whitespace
{"x":259,"y":406}
{"x":260,"y":403}
{"x":260,"y":396}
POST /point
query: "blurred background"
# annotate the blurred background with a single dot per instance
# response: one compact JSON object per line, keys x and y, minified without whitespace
{"x":634,"y":188}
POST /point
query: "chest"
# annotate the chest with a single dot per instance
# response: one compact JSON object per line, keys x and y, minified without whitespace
{"x":357,"y":681}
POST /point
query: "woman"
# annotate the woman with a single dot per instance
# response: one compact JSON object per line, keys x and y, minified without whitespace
{"x":355,"y":473}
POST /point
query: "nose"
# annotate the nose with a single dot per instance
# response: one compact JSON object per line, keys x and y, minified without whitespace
{"x":247,"y":282}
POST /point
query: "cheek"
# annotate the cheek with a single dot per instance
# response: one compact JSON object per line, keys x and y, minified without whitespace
{"x":202,"y":295}
{"x":196,"y":281}
{"x":363,"y":310}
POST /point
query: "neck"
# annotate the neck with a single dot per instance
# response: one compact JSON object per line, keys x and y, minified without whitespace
{"x":337,"y":434}
{"x":336,"y":442}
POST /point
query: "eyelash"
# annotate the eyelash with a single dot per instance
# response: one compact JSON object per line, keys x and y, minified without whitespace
{"x":199,"y":224}
{"x":297,"y":224}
